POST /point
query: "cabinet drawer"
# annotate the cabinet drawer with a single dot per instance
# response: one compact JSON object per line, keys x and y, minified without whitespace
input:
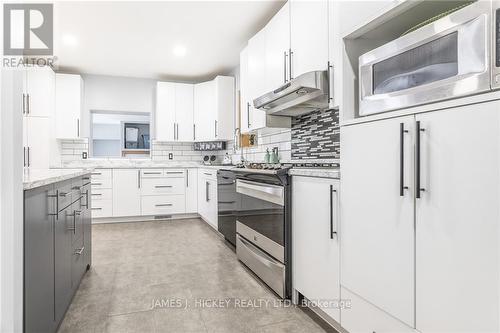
{"x":151,"y":173}
{"x":102,"y":194}
{"x":156,"y":186}
{"x":102,"y":208}
{"x":64,"y":197}
{"x":174,"y":173}
{"x":362,"y":316}
{"x":102,"y":183}
{"x":208,"y":173}
{"x":100,"y":174}
{"x":163,"y":204}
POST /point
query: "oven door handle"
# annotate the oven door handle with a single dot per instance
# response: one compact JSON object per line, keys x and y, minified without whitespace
{"x":266,"y":192}
{"x":263,"y":257}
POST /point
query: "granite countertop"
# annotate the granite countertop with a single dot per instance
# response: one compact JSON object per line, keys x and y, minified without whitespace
{"x":41,"y":177}
{"x":315,"y":172}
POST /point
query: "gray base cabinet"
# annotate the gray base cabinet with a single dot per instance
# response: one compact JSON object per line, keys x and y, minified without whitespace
{"x":57,"y":235}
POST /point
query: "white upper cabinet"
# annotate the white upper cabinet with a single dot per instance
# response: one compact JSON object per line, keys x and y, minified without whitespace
{"x":245,"y":119}
{"x":357,"y":13}
{"x":174,"y":111}
{"x":277,"y":47}
{"x":334,"y":54}
{"x":69,"y":97}
{"x":257,"y":65}
{"x":309,"y":36}
{"x":184,"y":111}
{"x":214,"y":109}
{"x":165,"y":111}
{"x":38,"y":96}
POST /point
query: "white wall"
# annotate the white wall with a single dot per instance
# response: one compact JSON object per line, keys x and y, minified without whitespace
{"x":109,"y":93}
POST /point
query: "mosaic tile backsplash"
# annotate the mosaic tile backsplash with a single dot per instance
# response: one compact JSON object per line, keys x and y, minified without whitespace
{"x":316,"y":136}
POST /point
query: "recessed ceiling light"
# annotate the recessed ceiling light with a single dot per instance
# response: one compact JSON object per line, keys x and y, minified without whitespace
{"x":179,"y":51}
{"x":69,"y":40}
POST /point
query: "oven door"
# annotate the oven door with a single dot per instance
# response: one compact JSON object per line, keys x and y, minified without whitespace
{"x":445,"y":59}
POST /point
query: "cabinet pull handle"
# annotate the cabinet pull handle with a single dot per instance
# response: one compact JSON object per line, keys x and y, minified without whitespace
{"x":248,"y":115}
{"x":138,"y":178}
{"x":175,"y":172}
{"x":332,"y":232}
{"x":215,"y":128}
{"x":163,"y":205}
{"x":78,"y":128}
{"x":24,"y":156}
{"x":330,"y":82}
{"x":418,"y":189}
{"x":152,"y":173}
{"x":226,"y":202}
{"x":285,"y":80}
{"x":97,"y":184}
{"x":402,"y":186}
{"x":24,"y":103}
{"x":28,"y":104}
{"x":163,"y":186}
{"x":87,"y":199}
{"x":63,"y":194}
{"x":79,"y":251}
{"x":290,"y":65}
{"x":187,"y":178}
{"x":55,"y":196}
{"x":29,"y":164}
{"x":194,"y":131}
{"x":96,"y":173}
{"x":208,"y":174}
{"x":96,"y":194}
{"x":96,"y":208}
{"x":207,"y":194}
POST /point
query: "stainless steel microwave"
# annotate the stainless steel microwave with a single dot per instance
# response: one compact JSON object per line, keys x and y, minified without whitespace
{"x":455,"y":56}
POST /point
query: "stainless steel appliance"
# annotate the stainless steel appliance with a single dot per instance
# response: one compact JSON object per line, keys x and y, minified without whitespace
{"x":301,"y":95}
{"x":455,"y":56}
{"x":254,"y":215}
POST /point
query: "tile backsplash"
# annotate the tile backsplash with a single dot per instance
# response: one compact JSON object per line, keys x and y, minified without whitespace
{"x":72,"y":150}
{"x":183,"y":152}
{"x":316,"y":136}
{"x":278,"y":138}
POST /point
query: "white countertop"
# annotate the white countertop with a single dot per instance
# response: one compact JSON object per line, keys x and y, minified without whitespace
{"x":40,"y":177}
{"x":315,"y":172}
{"x":124,"y":163}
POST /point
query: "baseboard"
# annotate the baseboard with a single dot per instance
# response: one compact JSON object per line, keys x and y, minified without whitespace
{"x":128,"y":219}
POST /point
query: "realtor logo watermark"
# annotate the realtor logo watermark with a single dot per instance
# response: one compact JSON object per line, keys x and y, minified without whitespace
{"x":28,"y":34}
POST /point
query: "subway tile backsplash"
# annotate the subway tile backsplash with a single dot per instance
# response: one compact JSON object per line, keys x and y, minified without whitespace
{"x":72,"y":150}
{"x":182,"y":152}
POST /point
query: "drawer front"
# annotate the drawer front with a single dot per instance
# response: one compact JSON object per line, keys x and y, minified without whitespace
{"x":151,"y":173}
{"x":65,"y":195}
{"x":361,"y":316}
{"x":157,"y":186}
{"x":102,"y":208}
{"x":174,"y":173}
{"x":163,"y":204}
{"x":102,"y":194}
{"x":100,"y":174}
{"x":103,"y":183}
{"x":208,"y":173}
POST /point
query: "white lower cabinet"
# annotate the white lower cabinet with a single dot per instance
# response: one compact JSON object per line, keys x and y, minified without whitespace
{"x":315,"y":232}
{"x":102,"y":193}
{"x":163,"y":204}
{"x":126,"y":192}
{"x":359,"y":316}
{"x":207,"y":195}
{"x":192,"y":191}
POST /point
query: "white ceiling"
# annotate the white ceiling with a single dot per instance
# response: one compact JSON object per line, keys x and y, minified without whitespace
{"x":137,"y":39}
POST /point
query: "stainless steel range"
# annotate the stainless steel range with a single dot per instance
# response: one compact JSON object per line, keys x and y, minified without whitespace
{"x":258,"y":221}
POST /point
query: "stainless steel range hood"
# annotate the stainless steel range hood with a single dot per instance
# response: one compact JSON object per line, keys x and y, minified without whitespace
{"x":304,"y":94}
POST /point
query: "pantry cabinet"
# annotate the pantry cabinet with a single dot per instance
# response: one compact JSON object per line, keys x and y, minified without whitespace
{"x":315,"y":238}
{"x":68,"y":106}
{"x":174,"y":111}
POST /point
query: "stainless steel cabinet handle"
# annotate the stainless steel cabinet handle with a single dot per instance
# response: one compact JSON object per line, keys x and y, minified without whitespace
{"x":96,"y":208}
{"x":402,"y":132}
{"x":78,"y":128}
{"x":97,"y":184}
{"x":96,"y":173}
{"x":24,"y":156}
{"x":418,"y":189}
{"x":163,"y":205}
{"x":332,"y":232}
{"x":187,"y":178}
{"x":208,"y":174}
{"x":139,"y":178}
{"x":163,"y":186}
{"x":24,"y":103}
{"x":175,"y":172}
{"x":63,"y":194}
{"x":330,"y":82}
{"x":79,"y":251}
{"x":285,"y":80}
{"x":28,"y":104}
{"x":226,"y":202}
{"x":290,"y":65}
{"x":29,"y":164}
{"x":207,"y":194}
{"x":152,"y":173}
{"x":55,"y":196}
{"x":96,"y":194}
{"x":248,"y":115}
{"x":194,"y":131}
{"x":216,"y":128}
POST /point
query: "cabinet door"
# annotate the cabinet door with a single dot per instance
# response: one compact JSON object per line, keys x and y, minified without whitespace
{"x":192,"y":191}
{"x":244,"y":94}
{"x":37,"y":139}
{"x":224,"y":108}
{"x":309,"y":36}
{"x":40,"y":87}
{"x":77,"y":247}
{"x":204,"y":111}
{"x":315,"y":218}
{"x":68,"y":106}
{"x":39,"y":260}
{"x":126,"y":192}
{"x":334,"y":54}
{"x":457,"y":230}
{"x":277,"y":46}
{"x":87,"y":223}
{"x":165,"y":111}
{"x":184,"y":111}
{"x":63,"y":256}
{"x":377,"y":223}
{"x":211,"y":194}
{"x":257,"y":65}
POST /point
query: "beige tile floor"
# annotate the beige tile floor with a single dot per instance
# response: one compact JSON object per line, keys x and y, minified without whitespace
{"x":169,"y":263}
